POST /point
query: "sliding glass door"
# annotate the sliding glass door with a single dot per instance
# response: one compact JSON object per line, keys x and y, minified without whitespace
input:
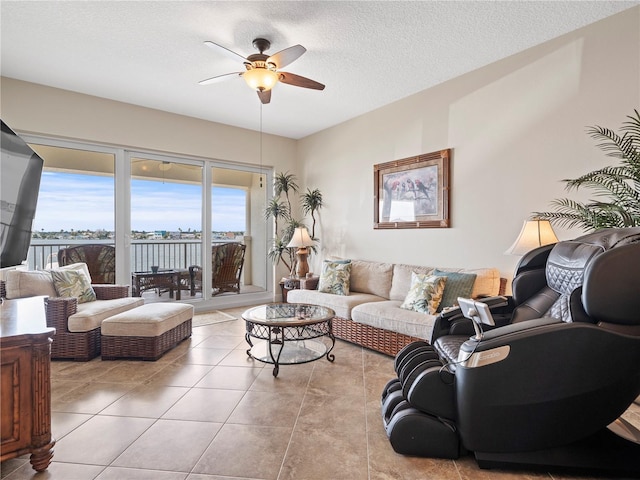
{"x":76,"y":202}
{"x":169,"y":230}
{"x":158,"y":211}
{"x":237,"y":206}
{"x":166,"y":214}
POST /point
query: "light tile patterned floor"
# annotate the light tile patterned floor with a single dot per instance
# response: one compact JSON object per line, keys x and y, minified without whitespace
{"x":205,"y":411}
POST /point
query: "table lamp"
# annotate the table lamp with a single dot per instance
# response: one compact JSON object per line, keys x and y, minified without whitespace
{"x":535,"y":233}
{"x":301,"y":240}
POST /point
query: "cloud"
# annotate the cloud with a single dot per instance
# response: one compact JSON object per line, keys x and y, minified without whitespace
{"x":86,"y":202}
{"x":70,"y":201}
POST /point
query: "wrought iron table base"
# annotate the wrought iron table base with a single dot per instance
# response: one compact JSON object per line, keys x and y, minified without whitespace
{"x":303,"y":343}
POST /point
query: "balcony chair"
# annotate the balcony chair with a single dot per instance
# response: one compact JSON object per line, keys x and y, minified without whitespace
{"x":100,"y":259}
{"x":543,"y":389}
{"x":227,"y":260}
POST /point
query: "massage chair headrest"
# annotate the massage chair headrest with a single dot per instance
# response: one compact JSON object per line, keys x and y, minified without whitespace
{"x":606,"y":264}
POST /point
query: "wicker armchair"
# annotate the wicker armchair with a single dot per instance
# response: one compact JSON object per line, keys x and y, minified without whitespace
{"x":100,"y":259}
{"x":77,"y":325}
{"x":226,"y":267}
{"x":81,"y":346}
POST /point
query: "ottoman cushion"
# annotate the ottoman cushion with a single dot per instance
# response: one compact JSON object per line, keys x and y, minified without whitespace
{"x":90,"y":315}
{"x":150,"y":320}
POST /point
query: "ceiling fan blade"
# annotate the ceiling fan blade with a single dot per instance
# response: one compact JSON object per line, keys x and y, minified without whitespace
{"x":219,"y":78}
{"x":299,"y":81}
{"x":265,"y":96}
{"x":224,"y":50}
{"x":286,"y":56}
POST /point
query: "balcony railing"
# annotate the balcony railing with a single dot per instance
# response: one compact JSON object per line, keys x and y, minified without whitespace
{"x":144,"y":253}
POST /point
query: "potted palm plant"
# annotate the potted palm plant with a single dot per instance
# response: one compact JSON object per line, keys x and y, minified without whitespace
{"x":616,"y":187}
{"x":311,"y":203}
{"x":280,"y":209}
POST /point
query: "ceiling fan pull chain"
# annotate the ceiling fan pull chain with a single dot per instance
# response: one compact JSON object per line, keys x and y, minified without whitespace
{"x":260,"y":145}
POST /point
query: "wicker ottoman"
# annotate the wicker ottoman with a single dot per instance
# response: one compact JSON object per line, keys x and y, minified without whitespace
{"x":146,"y":332}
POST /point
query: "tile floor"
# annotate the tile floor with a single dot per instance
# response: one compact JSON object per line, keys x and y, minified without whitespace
{"x":205,"y":411}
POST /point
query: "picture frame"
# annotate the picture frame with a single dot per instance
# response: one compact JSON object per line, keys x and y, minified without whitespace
{"x":412,"y":192}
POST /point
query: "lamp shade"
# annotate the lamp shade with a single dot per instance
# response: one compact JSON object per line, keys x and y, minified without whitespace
{"x":300,"y":238}
{"x":261,"y":79}
{"x":534,"y":234}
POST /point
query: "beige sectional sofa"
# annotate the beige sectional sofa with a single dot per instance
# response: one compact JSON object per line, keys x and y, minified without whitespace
{"x":371,"y":315}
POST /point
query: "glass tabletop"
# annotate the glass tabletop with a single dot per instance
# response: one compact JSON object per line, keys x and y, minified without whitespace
{"x":284,"y":314}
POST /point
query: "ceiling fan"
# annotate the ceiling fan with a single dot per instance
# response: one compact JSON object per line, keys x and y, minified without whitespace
{"x":262,"y":71}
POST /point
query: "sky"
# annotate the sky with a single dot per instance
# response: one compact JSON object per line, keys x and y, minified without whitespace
{"x":86,"y":202}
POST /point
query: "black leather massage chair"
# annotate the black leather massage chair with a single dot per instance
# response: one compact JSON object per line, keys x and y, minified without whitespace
{"x":546,"y":386}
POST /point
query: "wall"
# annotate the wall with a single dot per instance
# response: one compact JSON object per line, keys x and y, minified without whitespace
{"x":516,"y":128}
{"x":37,"y":109}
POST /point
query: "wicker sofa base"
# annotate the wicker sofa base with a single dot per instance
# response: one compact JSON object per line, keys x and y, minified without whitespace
{"x":373,"y":338}
{"x":144,"y":348}
{"x":79,"y":346}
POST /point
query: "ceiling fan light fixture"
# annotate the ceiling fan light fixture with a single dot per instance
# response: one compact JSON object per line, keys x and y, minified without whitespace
{"x":260,"y":79}
{"x":263,"y":71}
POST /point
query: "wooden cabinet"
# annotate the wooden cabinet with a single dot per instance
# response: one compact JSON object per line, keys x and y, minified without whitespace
{"x":25,"y":385}
{"x":15,"y":399}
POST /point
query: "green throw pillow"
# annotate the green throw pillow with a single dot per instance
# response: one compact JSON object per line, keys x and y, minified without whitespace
{"x":334,"y":277}
{"x":73,"y":283}
{"x":458,"y":285}
{"x":425,"y":293}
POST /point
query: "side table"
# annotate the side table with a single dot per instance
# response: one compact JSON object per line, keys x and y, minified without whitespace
{"x":293,"y":283}
{"x":162,"y":279}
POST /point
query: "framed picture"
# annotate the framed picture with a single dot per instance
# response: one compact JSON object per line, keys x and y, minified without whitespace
{"x":412,"y":192}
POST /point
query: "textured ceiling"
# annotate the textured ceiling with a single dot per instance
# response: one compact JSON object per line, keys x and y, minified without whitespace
{"x":368,"y":54}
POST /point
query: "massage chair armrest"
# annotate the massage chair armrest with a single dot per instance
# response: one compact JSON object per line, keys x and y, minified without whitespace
{"x":557,"y":381}
{"x":452,"y":322}
{"x":518,"y":327}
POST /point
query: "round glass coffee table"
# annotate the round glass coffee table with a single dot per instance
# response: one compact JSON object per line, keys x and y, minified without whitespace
{"x":289,"y":333}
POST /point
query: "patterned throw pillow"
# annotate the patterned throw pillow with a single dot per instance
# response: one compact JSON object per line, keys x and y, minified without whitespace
{"x":73,"y":283}
{"x":334,"y":277}
{"x":425,"y":293}
{"x":458,"y":285}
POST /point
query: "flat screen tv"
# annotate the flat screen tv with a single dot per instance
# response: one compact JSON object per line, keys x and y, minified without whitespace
{"x":20,"y":172}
